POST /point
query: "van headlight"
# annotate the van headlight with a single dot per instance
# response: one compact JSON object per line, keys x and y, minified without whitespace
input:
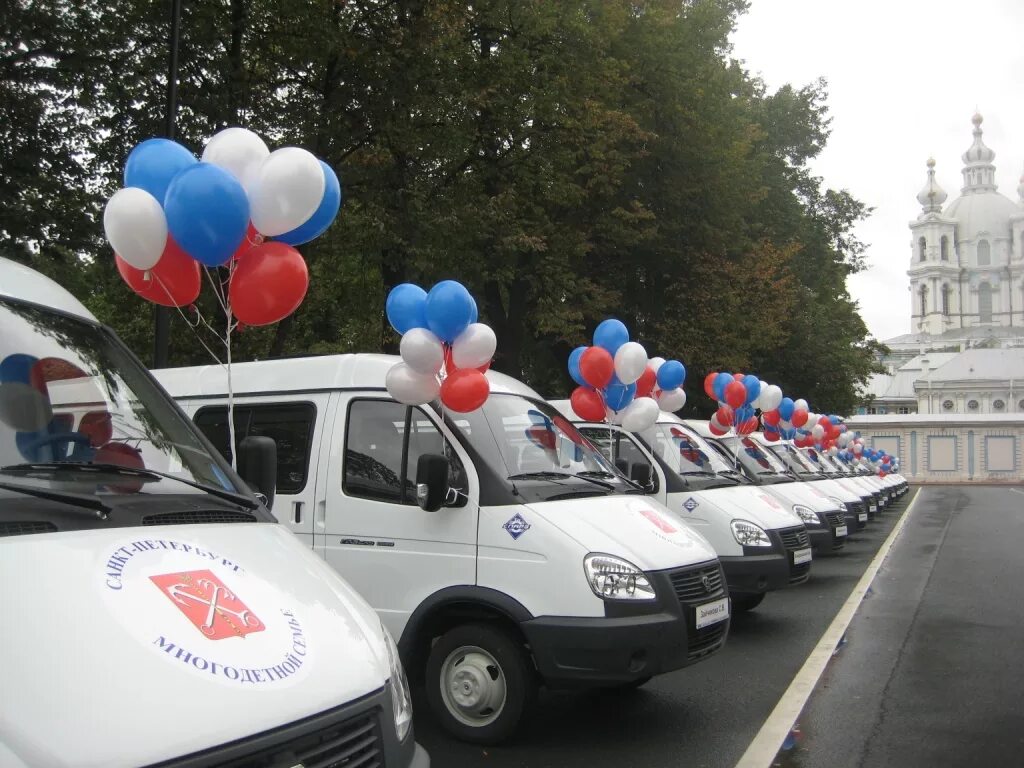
{"x":808,"y":515}
{"x":401,"y":702}
{"x":838,"y":503}
{"x":749,"y":535}
{"x":612,"y":578}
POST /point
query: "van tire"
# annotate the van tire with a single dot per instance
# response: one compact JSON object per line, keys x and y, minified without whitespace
{"x":746,"y":602}
{"x":490,"y":663}
{"x":632,"y":685}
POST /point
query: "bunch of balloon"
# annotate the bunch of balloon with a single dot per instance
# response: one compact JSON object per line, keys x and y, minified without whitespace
{"x":739,"y":397}
{"x":445,"y":351}
{"x":177,"y":214}
{"x":619,"y":384}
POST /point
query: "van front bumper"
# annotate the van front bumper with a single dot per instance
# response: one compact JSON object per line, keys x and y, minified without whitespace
{"x":824,"y":540}
{"x":755,"y":574}
{"x":633,"y":640}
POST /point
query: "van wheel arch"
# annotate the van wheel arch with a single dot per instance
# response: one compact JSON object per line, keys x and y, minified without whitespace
{"x":448,"y":608}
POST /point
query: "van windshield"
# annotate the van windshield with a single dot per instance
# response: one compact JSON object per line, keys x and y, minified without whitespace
{"x":753,"y":457}
{"x":684,"y":452}
{"x":795,"y":460}
{"x":83,"y":424}
{"x":536,"y":442}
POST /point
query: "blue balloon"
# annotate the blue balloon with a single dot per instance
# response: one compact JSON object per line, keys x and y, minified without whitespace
{"x":323,"y":216}
{"x":207,"y":213}
{"x":406,"y":307}
{"x":17,"y":367}
{"x":671,"y":374}
{"x":786,"y":408}
{"x":611,"y":334}
{"x":574,"y":366}
{"x":753,"y":386}
{"x":720,"y":383}
{"x":154,"y":163}
{"x":450,"y":309}
{"x":618,"y":395}
{"x":770,"y":428}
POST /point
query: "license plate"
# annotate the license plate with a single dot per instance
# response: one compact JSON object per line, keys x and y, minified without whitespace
{"x":801,"y":556}
{"x":873,"y":508}
{"x":862,"y":517}
{"x":712,"y":613}
{"x":841,"y":530}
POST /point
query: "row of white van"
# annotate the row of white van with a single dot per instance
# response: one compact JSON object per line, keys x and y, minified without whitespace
{"x":500,"y":547}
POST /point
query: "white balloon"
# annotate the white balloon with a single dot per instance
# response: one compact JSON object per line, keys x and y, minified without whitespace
{"x":672,"y":399}
{"x":640,"y":414}
{"x":409,"y":387}
{"x":833,"y":451}
{"x":422,"y":351}
{"x":474,"y":346}
{"x":771,"y":398}
{"x":238,"y":151}
{"x":801,"y":405}
{"x":136,"y":227}
{"x":818,"y":431}
{"x":655,"y":363}
{"x":630,"y":362}
{"x":23,"y":407}
{"x":285,"y":190}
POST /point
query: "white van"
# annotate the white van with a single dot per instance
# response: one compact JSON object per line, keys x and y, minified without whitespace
{"x":499,"y":545}
{"x":821,"y":462}
{"x":762,"y":545}
{"x":824,"y":517}
{"x":154,"y":611}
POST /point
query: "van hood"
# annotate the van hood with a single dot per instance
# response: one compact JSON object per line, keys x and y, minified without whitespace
{"x":835,"y":487}
{"x":752,"y":503}
{"x":802,"y":493}
{"x":634,"y":527}
{"x":121,"y":660}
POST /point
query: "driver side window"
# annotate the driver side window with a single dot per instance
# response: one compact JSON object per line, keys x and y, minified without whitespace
{"x":621,"y":450}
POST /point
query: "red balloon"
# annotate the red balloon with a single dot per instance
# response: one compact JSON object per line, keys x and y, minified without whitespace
{"x":645,"y":384}
{"x":587,"y":403}
{"x":268,"y":284}
{"x":709,"y":384}
{"x":252,"y":239}
{"x":738,"y":376}
{"x":746,"y":427}
{"x":771,"y":417}
{"x":735,"y":394}
{"x":465,"y":390}
{"x":799,"y":418}
{"x":715,"y":430}
{"x":724,"y":416}
{"x":98,"y":426}
{"x":597,"y":366}
{"x":175,"y":281}
{"x":772,"y":437}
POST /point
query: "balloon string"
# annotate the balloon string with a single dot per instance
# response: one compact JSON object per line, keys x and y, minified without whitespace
{"x":226,"y":304}
{"x":200,"y":320}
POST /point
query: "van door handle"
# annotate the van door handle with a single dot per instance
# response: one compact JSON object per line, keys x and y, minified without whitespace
{"x":321,"y":515}
{"x":296,"y":512}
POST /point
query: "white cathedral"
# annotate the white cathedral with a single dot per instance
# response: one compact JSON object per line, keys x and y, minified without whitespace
{"x":966,"y":352}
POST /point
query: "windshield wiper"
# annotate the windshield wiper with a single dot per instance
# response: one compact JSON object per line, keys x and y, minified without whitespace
{"x":152,"y":474}
{"x":78,"y":500}
{"x":591,"y":475}
{"x":548,"y":474}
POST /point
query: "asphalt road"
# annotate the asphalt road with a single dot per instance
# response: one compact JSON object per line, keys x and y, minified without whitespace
{"x":702,"y":716}
{"x":932,"y":673}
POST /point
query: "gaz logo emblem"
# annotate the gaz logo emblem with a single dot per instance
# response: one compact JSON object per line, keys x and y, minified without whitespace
{"x":213,"y":608}
{"x":690,"y":504}
{"x":516,"y":526}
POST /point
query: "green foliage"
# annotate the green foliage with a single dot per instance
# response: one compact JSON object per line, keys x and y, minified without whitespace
{"x":568,"y":161}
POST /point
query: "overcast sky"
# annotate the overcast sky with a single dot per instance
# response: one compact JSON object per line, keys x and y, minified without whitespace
{"x":904,"y":78}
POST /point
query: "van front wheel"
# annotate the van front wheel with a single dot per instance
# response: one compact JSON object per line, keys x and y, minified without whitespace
{"x":479,"y":683}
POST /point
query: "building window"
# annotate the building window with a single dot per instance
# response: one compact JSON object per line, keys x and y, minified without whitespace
{"x":984,"y":254}
{"x":1020,"y":405}
{"x":972,"y":405}
{"x":903,"y":409}
{"x":998,"y":405}
{"x":945,"y":299}
{"x":872,"y":411}
{"x":985,"y":303}
{"x":924,"y":301}
{"x":947,"y":405}
{"x":922,"y":249}
{"x":944,"y":248}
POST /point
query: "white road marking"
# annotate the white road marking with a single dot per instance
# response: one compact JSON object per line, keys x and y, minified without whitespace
{"x":766,"y":744}
{"x":1017,"y":490}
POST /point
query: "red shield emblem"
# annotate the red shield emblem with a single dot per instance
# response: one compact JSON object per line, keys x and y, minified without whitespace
{"x":214,"y":609}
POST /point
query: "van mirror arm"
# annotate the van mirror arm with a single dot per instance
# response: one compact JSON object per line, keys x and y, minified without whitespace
{"x":257,"y":465}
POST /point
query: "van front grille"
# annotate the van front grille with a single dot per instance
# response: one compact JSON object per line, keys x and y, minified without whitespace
{"x":198,"y":516}
{"x":795,"y":538}
{"x":698,"y":584}
{"x":24,"y":528}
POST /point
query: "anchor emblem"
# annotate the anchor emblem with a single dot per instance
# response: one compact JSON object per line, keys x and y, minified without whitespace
{"x":208,"y":603}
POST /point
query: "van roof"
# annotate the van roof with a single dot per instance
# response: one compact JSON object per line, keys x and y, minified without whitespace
{"x":18,"y":281}
{"x":300,"y":374}
{"x":699,"y":426}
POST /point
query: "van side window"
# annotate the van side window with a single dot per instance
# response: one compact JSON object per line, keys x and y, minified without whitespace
{"x":626,"y":453}
{"x":290,"y":425}
{"x":383,"y":443}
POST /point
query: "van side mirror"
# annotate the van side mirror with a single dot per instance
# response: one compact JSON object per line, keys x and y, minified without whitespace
{"x":431,"y":481}
{"x":641,"y":475}
{"x":622,"y":465}
{"x":257,"y":465}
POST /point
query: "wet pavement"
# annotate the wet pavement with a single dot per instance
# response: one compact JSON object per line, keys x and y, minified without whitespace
{"x":702,"y":716}
{"x":932,"y":673}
